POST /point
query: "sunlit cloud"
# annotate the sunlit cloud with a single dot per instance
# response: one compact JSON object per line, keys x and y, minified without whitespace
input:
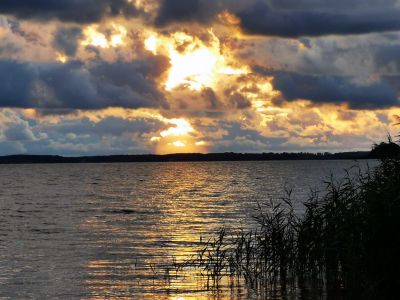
{"x":228,"y":18}
{"x":62,"y":58}
{"x":204,"y":78}
{"x":93,"y":37}
{"x":151,"y":44}
{"x":180,"y":127}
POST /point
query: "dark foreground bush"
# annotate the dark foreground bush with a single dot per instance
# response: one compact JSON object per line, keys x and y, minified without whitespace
{"x":346,"y":244}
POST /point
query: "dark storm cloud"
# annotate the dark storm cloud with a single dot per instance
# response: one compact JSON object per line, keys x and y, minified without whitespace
{"x":290,"y":18}
{"x":15,"y":81}
{"x":80,"y":11}
{"x":336,"y":89}
{"x":76,"y":85}
{"x":184,"y":11}
{"x":66,"y":40}
{"x":340,"y":5}
{"x":262,"y":19}
{"x":108,"y":126}
{"x":387,"y":57}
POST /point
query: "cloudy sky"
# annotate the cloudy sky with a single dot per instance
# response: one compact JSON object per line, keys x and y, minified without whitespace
{"x":96,"y":77}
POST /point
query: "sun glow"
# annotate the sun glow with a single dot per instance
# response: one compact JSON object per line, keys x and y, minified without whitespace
{"x":195,"y":64}
{"x":194,"y":70}
{"x":180,"y":127}
{"x":178,"y":144}
{"x":179,"y":137}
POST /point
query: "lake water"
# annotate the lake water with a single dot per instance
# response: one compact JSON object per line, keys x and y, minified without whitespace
{"x":102,"y":231}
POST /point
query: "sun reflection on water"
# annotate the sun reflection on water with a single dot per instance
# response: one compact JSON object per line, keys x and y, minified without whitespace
{"x":171,"y":224}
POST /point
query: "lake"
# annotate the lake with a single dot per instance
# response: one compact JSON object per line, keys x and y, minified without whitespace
{"x":104,"y":231}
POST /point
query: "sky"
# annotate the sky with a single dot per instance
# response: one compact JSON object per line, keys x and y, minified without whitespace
{"x":102,"y":77}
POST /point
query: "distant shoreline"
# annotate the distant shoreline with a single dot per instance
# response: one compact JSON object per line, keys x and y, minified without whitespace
{"x":191,"y":157}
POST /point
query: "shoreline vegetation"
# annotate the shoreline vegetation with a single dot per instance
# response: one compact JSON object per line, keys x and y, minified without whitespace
{"x":344,"y":245}
{"x":189,"y":157}
{"x":382,"y":150}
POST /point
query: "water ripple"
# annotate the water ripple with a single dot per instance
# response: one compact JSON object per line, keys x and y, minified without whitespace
{"x":110,"y":230}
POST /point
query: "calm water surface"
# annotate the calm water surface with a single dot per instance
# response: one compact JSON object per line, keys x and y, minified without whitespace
{"x":101,"y":231}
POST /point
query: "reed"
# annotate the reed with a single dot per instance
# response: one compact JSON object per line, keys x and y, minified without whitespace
{"x":346,"y":242}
